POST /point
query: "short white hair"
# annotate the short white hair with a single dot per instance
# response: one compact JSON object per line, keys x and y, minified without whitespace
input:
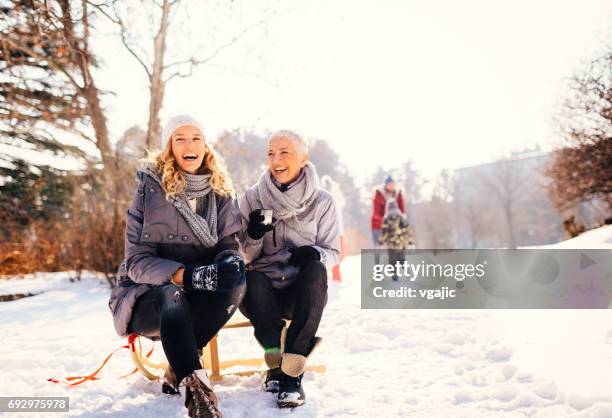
{"x":301,"y":144}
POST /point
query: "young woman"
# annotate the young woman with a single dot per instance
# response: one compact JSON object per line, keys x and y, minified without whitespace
{"x":182,"y":277}
{"x":288,"y":261}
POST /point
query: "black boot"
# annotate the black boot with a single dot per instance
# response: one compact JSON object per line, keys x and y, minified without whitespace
{"x":272,"y":380}
{"x":290,"y":392}
{"x":170,"y":385}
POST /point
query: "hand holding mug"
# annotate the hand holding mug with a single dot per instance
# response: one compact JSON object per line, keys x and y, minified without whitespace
{"x":260,"y":222}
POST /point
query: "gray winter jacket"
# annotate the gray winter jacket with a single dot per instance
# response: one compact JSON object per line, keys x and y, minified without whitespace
{"x":158,"y":242}
{"x":269,"y":254}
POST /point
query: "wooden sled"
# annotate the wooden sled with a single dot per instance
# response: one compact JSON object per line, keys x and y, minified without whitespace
{"x":210,"y":358}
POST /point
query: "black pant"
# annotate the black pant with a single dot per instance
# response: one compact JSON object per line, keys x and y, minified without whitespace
{"x":184,"y":322}
{"x":393,"y":256}
{"x":302,"y":302}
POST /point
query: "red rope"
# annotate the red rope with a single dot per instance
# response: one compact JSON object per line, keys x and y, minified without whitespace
{"x":92,"y":376}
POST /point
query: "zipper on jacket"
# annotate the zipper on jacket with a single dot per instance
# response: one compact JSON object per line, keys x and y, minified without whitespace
{"x":274,"y":235}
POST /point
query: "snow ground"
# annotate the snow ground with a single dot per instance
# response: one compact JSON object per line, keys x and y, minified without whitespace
{"x":451,"y":363}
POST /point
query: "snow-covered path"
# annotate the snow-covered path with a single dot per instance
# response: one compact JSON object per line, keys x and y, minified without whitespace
{"x":411,"y":363}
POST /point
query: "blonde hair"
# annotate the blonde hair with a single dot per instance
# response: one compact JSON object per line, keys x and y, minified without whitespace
{"x":172,"y":178}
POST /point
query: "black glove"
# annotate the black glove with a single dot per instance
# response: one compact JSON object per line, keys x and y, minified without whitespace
{"x":256,"y":228}
{"x":223,"y":276}
{"x":303,"y":255}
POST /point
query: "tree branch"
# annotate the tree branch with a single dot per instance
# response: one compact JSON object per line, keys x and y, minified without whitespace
{"x":125,"y":42}
{"x":195,"y":62}
{"x":104,"y":12}
{"x":53,"y":64}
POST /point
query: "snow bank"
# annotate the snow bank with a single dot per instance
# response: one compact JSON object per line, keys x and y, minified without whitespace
{"x":595,"y":238}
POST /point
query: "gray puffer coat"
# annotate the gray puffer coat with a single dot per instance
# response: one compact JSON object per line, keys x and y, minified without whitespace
{"x":158,"y":242}
{"x":269,"y":255}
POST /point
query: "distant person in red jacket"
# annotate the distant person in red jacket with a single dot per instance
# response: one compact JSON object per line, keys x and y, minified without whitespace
{"x":382,"y":196}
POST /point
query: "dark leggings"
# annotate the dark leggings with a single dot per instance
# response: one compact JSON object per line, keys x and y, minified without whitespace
{"x":302,"y":302}
{"x":184,"y":322}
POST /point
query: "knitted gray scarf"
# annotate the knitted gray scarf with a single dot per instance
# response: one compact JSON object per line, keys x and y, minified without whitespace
{"x":197,"y":186}
{"x":294,"y":205}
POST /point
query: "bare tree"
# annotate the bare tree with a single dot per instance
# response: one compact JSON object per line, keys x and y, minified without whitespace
{"x":470,"y":210}
{"x":582,"y":169}
{"x":433,"y":224}
{"x":411,"y":181}
{"x":504,"y":203}
{"x":505,"y":184}
{"x":155,"y":64}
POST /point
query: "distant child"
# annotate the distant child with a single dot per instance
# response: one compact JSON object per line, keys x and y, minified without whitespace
{"x":396,"y":234}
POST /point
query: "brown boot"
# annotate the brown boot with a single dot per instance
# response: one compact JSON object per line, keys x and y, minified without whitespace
{"x":170,"y":385}
{"x":199,"y":398}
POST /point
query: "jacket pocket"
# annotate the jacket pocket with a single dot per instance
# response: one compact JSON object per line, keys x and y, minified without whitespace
{"x":160,"y":218}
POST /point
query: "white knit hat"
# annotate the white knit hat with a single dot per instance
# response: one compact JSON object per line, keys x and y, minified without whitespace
{"x":176,"y":122}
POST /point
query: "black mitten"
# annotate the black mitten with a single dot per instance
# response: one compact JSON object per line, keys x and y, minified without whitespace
{"x":256,"y":228}
{"x":223,"y":276}
{"x":303,"y":255}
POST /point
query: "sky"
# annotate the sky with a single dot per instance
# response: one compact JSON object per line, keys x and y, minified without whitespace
{"x":442,"y":83}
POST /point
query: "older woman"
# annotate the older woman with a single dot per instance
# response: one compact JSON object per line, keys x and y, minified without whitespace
{"x":182,"y":277}
{"x":288,"y":261}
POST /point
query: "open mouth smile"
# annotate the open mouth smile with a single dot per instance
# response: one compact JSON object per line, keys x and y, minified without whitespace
{"x":280,"y":170}
{"x":190,"y":157}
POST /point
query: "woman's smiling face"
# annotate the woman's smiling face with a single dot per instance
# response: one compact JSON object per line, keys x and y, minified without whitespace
{"x":284,"y":159}
{"x":188,"y":148}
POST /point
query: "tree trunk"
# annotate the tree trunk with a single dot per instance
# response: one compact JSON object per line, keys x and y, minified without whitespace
{"x":153,"y":140}
{"x":157,"y":84}
{"x":89,"y":91}
{"x":510,"y":223}
{"x":98,"y":122}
